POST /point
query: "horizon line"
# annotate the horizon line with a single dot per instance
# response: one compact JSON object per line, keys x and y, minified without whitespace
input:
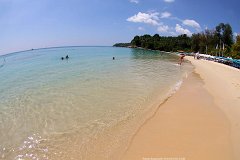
{"x":50,"y":48}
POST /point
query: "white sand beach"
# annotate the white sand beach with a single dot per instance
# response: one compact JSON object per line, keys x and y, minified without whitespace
{"x":200,"y":121}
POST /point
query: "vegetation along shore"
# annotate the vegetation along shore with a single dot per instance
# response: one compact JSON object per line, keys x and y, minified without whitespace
{"x":219,"y":41}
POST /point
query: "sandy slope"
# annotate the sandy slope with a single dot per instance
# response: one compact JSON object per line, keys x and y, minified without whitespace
{"x":223,"y":82}
{"x":200,"y":121}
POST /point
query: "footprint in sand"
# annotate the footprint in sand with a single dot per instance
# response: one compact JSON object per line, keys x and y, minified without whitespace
{"x":236,"y":84}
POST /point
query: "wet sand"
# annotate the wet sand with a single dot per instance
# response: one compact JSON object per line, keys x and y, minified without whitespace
{"x":201,"y":121}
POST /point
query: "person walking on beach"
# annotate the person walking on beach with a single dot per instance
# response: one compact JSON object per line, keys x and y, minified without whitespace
{"x":181,"y":58}
{"x":197,"y":55}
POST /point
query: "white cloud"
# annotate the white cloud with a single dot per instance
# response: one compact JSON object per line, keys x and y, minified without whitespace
{"x":165,"y":15}
{"x":148,"y":18}
{"x":163,"y":29}
{"x":235,"y":34}
{"x":173,"y":33}
{"x":141,"y":29}
{"x":134,"y":1}
{"x":181,"y":30}
{"x":192,"y":23}
{"x":169,"y":1}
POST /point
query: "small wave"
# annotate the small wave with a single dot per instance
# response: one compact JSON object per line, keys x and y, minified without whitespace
{"x":177,"y":86}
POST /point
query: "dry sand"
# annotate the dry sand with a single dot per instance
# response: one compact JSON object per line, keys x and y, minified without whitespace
{"x":200,"y":122}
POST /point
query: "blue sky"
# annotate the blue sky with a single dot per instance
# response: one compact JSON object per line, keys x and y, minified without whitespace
{"x":26,"y":24}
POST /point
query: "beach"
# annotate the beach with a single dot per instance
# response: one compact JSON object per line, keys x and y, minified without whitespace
{"x":200,"y":121}
{"x":85,"y":107}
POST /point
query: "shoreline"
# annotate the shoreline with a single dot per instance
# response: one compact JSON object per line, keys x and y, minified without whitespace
{"x":196,"y":127}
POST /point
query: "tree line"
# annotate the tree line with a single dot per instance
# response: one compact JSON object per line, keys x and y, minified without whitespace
{"x":156,"y":42}
{"x":218,"y":42}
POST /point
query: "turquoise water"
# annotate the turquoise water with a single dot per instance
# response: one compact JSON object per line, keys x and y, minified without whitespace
{"x":87,"y":107}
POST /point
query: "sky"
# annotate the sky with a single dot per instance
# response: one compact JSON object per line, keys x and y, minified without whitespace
{"x":27,"y":24}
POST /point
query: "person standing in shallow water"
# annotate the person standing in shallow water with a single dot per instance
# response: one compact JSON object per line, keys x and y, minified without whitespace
{"x":181,"y":58}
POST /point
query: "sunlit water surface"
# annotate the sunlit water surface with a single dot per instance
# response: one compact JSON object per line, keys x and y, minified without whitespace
{"x":87,"y":107}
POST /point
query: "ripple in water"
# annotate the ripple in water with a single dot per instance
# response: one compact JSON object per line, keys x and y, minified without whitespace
{"x":85,"y":108}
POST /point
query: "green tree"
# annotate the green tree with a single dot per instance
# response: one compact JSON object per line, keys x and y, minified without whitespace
{"x":204,"y":42}
{"x":156,"y":42}
{"x":136,"y":41}
{"x":236,"y":48}
{"x":195,"y":42}
{"x":225,"y":37}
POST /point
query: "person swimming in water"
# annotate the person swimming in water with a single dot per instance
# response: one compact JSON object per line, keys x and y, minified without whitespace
{"x":67,"y":57}
{"x":113,"y":58}
{"x":62,"y":58}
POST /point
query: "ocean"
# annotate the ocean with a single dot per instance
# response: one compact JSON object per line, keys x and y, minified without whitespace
{"x":86,"y":107}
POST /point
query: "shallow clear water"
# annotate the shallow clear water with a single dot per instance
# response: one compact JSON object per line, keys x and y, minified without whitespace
{"x":86,"y":107}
